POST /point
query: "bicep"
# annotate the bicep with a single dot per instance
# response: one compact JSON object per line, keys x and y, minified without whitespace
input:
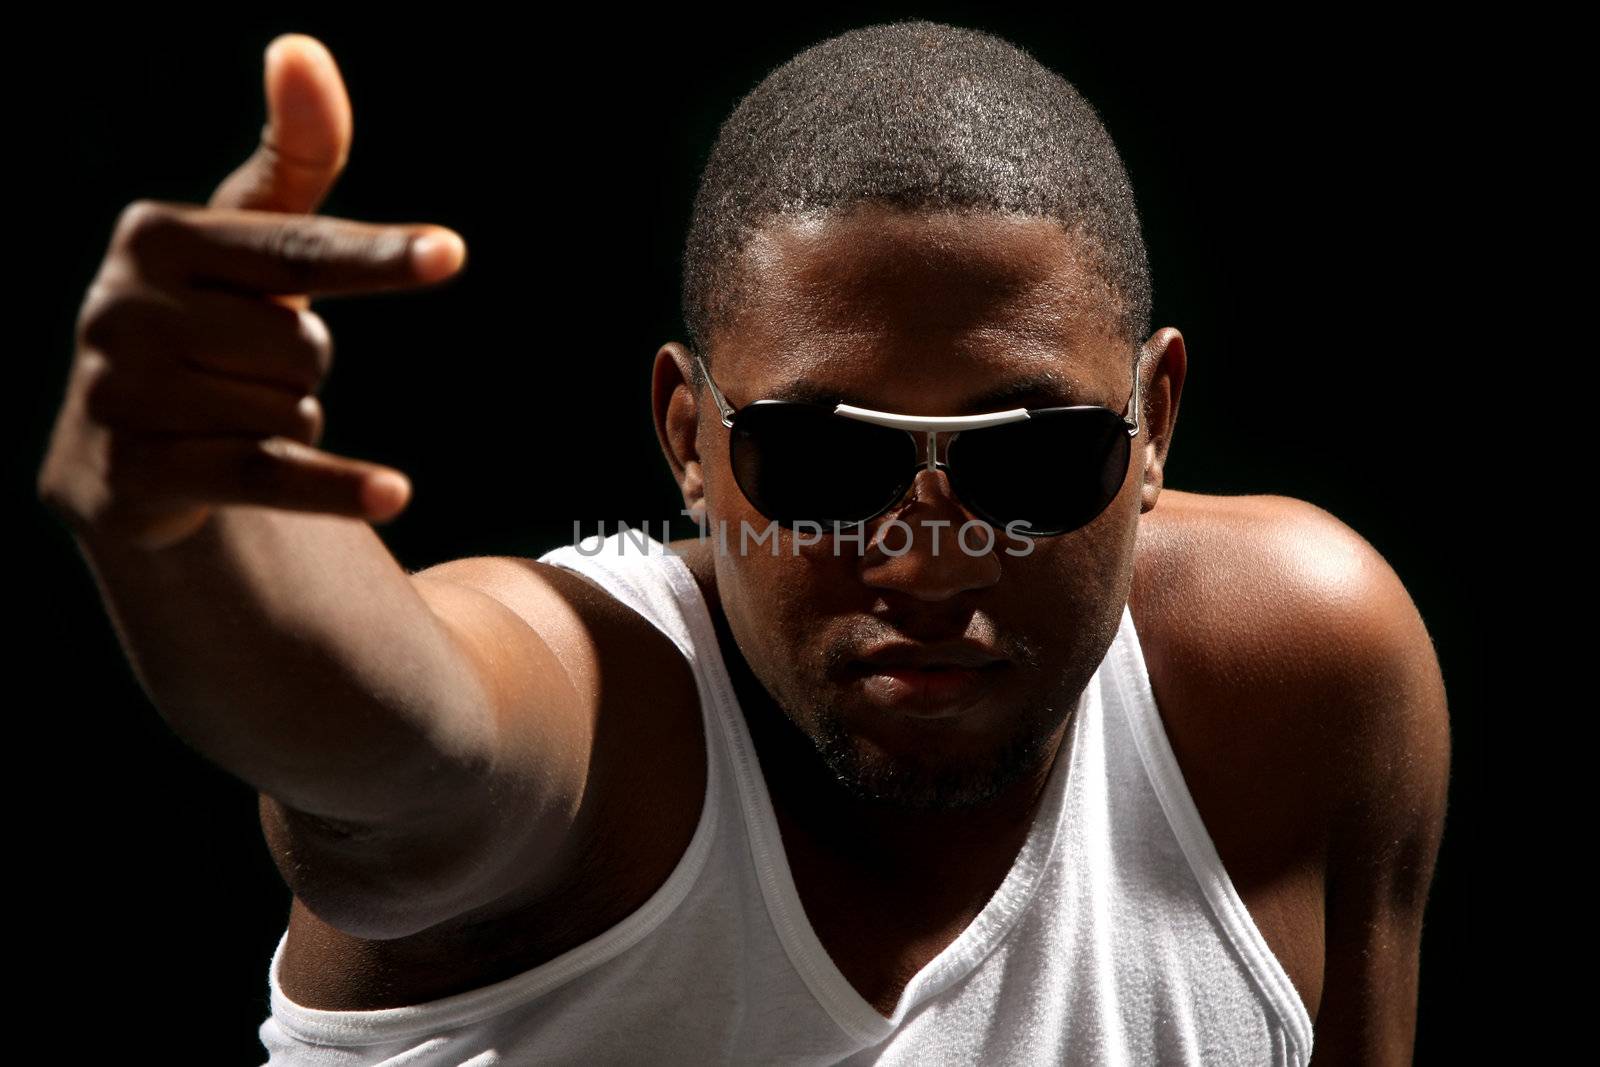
{"x":502,"y":812}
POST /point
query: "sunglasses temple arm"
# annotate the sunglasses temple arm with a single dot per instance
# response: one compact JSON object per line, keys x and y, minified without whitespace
{"x":1133,"y":420}
{"x":723,"y":407}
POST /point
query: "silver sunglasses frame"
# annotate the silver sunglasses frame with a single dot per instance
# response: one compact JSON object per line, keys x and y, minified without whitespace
{"x":930,"y":426}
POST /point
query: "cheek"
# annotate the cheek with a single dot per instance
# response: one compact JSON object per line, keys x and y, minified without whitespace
{"x":764,"y":610}
{"x":725,"y":503}
{"x":784,"y":609}
{"x":1068,"y":597}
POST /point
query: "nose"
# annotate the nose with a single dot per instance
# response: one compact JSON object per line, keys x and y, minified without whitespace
{"x":929,"y":548}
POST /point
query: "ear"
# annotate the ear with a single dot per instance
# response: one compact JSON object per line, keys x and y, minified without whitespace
{"x":1164,"y":364}
{"x":677,"y":416}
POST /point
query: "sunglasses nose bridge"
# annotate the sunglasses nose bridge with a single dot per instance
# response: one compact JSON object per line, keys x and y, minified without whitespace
{"x":933,"y":448}
{"x":930,"y":478}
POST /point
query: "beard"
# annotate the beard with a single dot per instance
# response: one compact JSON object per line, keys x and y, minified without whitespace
{"x":918,"y":780}
{"x":869,"y":772}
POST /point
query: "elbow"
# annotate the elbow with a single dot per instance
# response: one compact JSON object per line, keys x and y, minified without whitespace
{"x":364,"y":882}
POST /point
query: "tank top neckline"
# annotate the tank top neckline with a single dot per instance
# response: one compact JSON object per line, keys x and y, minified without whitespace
{"x":849,"y":1009}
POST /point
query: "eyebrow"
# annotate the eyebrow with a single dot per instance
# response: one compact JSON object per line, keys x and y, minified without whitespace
{"x":1041,"y":389}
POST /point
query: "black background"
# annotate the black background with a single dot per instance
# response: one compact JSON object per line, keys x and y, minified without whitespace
{"x":1299,"y":188}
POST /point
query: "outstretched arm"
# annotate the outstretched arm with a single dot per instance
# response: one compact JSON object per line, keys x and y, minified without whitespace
{"x":412,"y":737}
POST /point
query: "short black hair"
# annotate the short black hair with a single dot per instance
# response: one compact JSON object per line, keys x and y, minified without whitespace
{"x":920,"y":115}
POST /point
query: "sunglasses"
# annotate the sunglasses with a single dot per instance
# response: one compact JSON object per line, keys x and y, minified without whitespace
{"x":1033,"y":471}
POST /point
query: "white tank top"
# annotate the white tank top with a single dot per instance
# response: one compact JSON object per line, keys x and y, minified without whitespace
{"x":1116,"y":938}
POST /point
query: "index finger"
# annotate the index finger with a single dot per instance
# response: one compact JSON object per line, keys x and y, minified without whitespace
{"x":275,"y":254}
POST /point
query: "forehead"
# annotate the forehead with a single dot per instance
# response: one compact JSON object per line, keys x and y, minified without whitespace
{"x":940,"y":306}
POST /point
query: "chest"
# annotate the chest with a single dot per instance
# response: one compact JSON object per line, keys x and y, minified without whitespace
{"x":880,"y":937}
{"x":880,"y":960}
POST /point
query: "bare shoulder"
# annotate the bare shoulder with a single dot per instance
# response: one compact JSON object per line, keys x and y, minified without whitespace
{"x":1289,"y":551}
{"x":1304,"y":698}
{"x":1284,"y":610}
{"x":1280,"y":592}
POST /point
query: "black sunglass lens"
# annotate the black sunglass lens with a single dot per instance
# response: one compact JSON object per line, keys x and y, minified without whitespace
{"x":1055,"y":472}
{"x":800,"y":462}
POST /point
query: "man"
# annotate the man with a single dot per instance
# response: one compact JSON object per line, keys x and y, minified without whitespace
{"x":1113,"y":774}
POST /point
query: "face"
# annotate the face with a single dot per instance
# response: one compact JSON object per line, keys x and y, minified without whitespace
{"x":920,"y":314}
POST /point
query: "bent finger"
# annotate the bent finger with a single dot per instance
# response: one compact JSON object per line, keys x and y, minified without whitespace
{"x":268,"y":472}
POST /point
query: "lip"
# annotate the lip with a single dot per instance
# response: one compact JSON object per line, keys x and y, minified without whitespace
{"x":946,"y":654}
{"x":928,"y":692}
{"x":927,"y":680}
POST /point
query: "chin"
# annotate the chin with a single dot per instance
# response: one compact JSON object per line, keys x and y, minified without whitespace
{"x":932,"y":778}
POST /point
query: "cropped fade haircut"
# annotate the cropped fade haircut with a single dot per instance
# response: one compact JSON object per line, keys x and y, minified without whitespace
{"x":919,"y":115}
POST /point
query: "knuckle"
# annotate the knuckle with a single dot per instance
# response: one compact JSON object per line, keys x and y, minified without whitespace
{"x":137,"y":214}
{"x":66,"y":501}
{"x":104,"y":390}
{"x":318,"y":344}
{"x":48,"y":487}
{"x":110,"y":314}
{"x":70,"y":481}
{"x":306,"y":422}
{"x":146,"y":225}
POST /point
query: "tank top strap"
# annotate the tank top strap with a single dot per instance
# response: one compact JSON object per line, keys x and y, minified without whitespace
{"x":637,"y":569}
{"x":1135,"y":720}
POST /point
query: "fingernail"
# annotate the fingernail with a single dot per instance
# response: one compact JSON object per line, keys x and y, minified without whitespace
{"x":274,"y":50}
{"x":384,"y":493}
{"x":438,"y":252}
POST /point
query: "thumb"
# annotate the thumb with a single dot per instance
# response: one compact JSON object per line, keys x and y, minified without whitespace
{"x":306,"y":139}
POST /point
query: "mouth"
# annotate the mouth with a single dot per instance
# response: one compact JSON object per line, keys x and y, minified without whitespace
{"x":932,"y":690}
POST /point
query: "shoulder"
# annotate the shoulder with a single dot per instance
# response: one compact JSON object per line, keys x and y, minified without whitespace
{"x":1304,"y":695}
{"x":586,"y":627}
{"x":1290,"y":555}
{"x":1280,"y":593}
{"x":1278,"y":607}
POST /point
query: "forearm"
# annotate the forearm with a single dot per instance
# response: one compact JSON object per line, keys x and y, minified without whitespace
{"x":293,"y":650}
